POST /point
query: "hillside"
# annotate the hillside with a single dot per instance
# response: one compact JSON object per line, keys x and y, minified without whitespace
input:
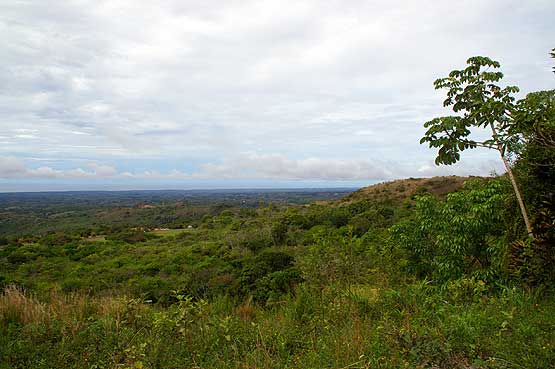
{"x":380,"y":278}
{"x":403,"y":189}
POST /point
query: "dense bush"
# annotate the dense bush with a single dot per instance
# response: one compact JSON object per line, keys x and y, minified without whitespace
{"x":461,"y":236}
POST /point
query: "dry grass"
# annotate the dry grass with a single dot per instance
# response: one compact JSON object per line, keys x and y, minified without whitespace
{"x":16,"y":306}
{"x":404,"y":189}
{"x":71,"y":310}
{"x":246,"y":311}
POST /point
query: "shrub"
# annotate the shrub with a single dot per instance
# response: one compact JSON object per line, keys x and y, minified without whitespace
{"x":459,"y":236}
{"x":259,"y":276}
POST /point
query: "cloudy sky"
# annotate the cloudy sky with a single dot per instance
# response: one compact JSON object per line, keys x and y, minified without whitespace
{"x":114,"y":94}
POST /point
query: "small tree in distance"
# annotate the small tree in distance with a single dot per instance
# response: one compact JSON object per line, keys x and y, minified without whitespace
{"x":473,"y":94}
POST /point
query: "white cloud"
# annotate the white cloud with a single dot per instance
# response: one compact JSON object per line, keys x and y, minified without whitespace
{"x":280,"y":167}
{"x":129,"y":81}
{"x":15,"y":168}
{"x":11,"y":167}
{"x":103,"y":170}
{"x":255,"y":167}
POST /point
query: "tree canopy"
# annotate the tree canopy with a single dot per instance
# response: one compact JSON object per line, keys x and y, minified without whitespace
{"x":480,"y":102}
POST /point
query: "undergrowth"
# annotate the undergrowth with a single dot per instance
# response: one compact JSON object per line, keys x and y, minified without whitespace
{"x":415,"y":326}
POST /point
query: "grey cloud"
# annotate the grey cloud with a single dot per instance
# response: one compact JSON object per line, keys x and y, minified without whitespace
{"x":15,"y":168}
{"x":207,"y":80}
{"x":279,"y":167}
{"x":11,"y":167}
{"x":255,"y":166}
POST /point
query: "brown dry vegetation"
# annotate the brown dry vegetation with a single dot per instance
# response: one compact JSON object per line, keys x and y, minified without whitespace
{"x":403,"y":189}
{"x":72,"y":308}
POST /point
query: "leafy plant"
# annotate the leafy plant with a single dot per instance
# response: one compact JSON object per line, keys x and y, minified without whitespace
{"x":463,"y":235}
{"x":481,"y":103}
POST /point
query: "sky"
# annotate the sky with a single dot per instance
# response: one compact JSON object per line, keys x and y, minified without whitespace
{"x":132,"y":94}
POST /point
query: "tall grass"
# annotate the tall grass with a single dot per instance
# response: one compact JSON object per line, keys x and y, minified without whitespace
{"x":17,"y":306}
{"x":416,"y":325}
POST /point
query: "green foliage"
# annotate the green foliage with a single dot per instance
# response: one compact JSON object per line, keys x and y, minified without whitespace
{"x":131,"y":236}
{"x":325,"y":285}
{"x":268,"y":275}
{"x":333,"y":259}
{"x":415,"y":325}
{"x":361,"y":223}
{"x":463,"y":235}
{"x":535,"y":117}
{"x":473,"y":94}
{"x":532,"y":261}
{"x":279,"y":232}
{"x":57,"y":239}
{"x":295,"y":218}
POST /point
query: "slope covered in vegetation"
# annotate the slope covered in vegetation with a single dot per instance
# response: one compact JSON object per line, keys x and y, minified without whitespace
{"x":367,"y":281}
{"x":405,"y":189}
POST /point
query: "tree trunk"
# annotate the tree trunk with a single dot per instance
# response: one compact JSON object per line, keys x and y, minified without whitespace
{"x":515,"y":185}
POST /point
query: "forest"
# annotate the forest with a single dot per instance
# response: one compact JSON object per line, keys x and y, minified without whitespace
{"x":441,"y":272}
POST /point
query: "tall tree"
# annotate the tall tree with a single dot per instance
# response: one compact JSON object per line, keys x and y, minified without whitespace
{"x":474,"y":95}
